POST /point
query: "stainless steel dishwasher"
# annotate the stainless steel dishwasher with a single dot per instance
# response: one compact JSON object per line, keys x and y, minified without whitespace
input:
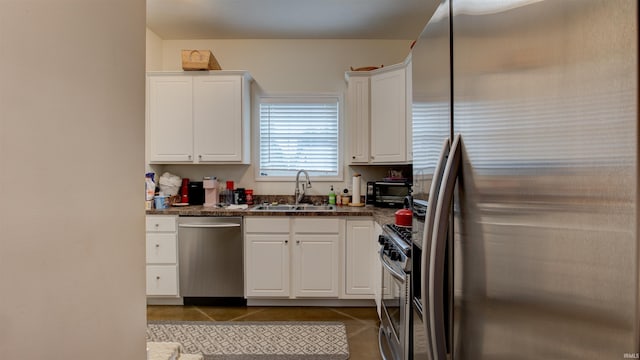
{"x":210,"y":260}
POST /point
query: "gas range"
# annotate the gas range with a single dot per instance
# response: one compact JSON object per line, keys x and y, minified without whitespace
{"x":395,"y":305}
{"x":396,"y":244}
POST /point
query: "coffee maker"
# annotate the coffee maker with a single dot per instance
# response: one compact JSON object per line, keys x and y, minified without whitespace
{"x":210,"y":186}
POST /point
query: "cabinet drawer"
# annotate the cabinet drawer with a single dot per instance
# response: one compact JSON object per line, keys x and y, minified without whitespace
{"x":316,"y":225}
{"x":161,"y":248}
{"x":159,"y":223}
{"x":162,"y":280}
{"x":267,"y":224}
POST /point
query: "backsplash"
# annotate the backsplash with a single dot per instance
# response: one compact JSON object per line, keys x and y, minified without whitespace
{"x":243,"y":176}
{"x":290,"y":199}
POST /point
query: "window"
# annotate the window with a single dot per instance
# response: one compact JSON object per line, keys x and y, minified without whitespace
{"x":299,"y":133}
{"x":430,"y":128}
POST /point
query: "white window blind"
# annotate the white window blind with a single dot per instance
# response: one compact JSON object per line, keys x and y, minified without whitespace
{"x":431,"y":123}
{"x":299,"y":133}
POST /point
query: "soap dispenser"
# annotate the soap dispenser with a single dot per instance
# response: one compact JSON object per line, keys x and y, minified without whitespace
{"x":332,"y":196}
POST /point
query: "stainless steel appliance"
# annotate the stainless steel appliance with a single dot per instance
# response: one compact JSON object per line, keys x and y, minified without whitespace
{"x":387,"y":193}
{"x":395,"y":253}
{"x":530,"y":240}
{"x":211,"y":260}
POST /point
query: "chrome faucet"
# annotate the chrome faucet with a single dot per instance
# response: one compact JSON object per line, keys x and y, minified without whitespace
{"x":298,"y":194}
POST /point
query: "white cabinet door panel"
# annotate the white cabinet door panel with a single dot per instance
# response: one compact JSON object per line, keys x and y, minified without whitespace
{"x":358,"y":119}
{"x":360,"y":258}
{"x":218,"y":118}
{"x":316,"y":268}
{"x":264,"y":224}
{"x":161,"y":223}
{"x":162,"y":280}
{"x":170,"y":119}
{"x":161,"y":248}
{"x":388,"y":117}
{"x":267,"y":265}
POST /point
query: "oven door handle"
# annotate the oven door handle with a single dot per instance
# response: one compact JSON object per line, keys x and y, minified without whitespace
{"x":398,"y":276}
{"x":438,"y":247}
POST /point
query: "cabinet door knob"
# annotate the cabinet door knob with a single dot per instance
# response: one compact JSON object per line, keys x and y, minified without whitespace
{"x":189,"y":157}
{"x":157,"y":277}
{"x":286,"y":242}
{"x":199,"y":156}
{"x":157,"y":225}
{"x":157,"y":245}
{"x":297,"y":241}
{"x":353,"y":157}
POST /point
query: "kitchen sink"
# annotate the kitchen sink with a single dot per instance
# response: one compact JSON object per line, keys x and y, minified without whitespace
{"x":293,"y":207}
{"x":311,"y":207}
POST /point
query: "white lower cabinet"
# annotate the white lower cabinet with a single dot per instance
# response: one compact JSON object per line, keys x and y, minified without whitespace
{"x":162,"y":280}
{"x":289,"y":257}
{"x":316,"y":256}
{"x":266,"y":256}
{"x":360,"y":260}
{"x":377,"y":272}
{"x":162,"y":255}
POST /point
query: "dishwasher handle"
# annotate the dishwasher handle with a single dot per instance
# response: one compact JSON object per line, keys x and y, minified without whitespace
{"x":221,"y":225}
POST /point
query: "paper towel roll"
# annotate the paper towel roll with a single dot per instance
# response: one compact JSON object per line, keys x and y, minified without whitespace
{"x":356,"y":189}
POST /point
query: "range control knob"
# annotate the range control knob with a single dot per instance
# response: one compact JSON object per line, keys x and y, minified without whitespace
{"x":394,"y":255}
{"x":382,"y":239}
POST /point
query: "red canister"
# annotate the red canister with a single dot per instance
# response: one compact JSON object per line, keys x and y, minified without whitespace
{"x":249,"y":196}
{"x":403,"y":217}
{"x":184,"y":191}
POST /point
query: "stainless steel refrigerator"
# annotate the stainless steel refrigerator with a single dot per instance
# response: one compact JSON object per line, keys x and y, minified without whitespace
{"x":532,"y":251}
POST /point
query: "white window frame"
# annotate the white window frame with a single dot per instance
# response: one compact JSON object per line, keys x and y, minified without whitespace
{"x":299,"y":98}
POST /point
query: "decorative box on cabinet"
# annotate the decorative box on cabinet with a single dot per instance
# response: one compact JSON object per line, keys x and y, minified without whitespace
{"x":161,"y":253}
{"x":199,"y":117}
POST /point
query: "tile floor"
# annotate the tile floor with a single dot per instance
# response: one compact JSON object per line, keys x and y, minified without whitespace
{"x":361,"y":322}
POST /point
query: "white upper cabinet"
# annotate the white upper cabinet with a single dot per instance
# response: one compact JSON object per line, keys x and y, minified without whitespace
{"x":358,"y":118}
{"x":199,"y":118}
{"x":388,"y":117}
{"x":379,"y":115}
{"x":170,"y":125}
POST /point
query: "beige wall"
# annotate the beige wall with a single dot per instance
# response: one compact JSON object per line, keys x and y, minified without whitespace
{"x":72,"y":273}
{"x":286,"y":67}
{"x":154,"y":52}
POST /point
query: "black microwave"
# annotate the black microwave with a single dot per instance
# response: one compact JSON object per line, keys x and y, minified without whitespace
{"x":387,"y":193}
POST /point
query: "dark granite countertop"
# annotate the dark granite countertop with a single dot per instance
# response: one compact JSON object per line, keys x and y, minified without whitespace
{"x":380,"y":215}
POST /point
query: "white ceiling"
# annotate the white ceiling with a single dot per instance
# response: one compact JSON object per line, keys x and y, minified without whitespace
{"x":289,"y":19}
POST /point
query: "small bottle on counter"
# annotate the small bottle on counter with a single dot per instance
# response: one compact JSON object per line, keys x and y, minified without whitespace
{"x":332,"y":196}
{"x":249,"y":195}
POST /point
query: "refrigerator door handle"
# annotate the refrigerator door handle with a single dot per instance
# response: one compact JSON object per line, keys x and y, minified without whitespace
{"x":438,"y":247}
{"x":426,"y":241}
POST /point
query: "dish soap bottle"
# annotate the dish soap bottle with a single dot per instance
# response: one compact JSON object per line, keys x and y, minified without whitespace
{"x":332,"y":196}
